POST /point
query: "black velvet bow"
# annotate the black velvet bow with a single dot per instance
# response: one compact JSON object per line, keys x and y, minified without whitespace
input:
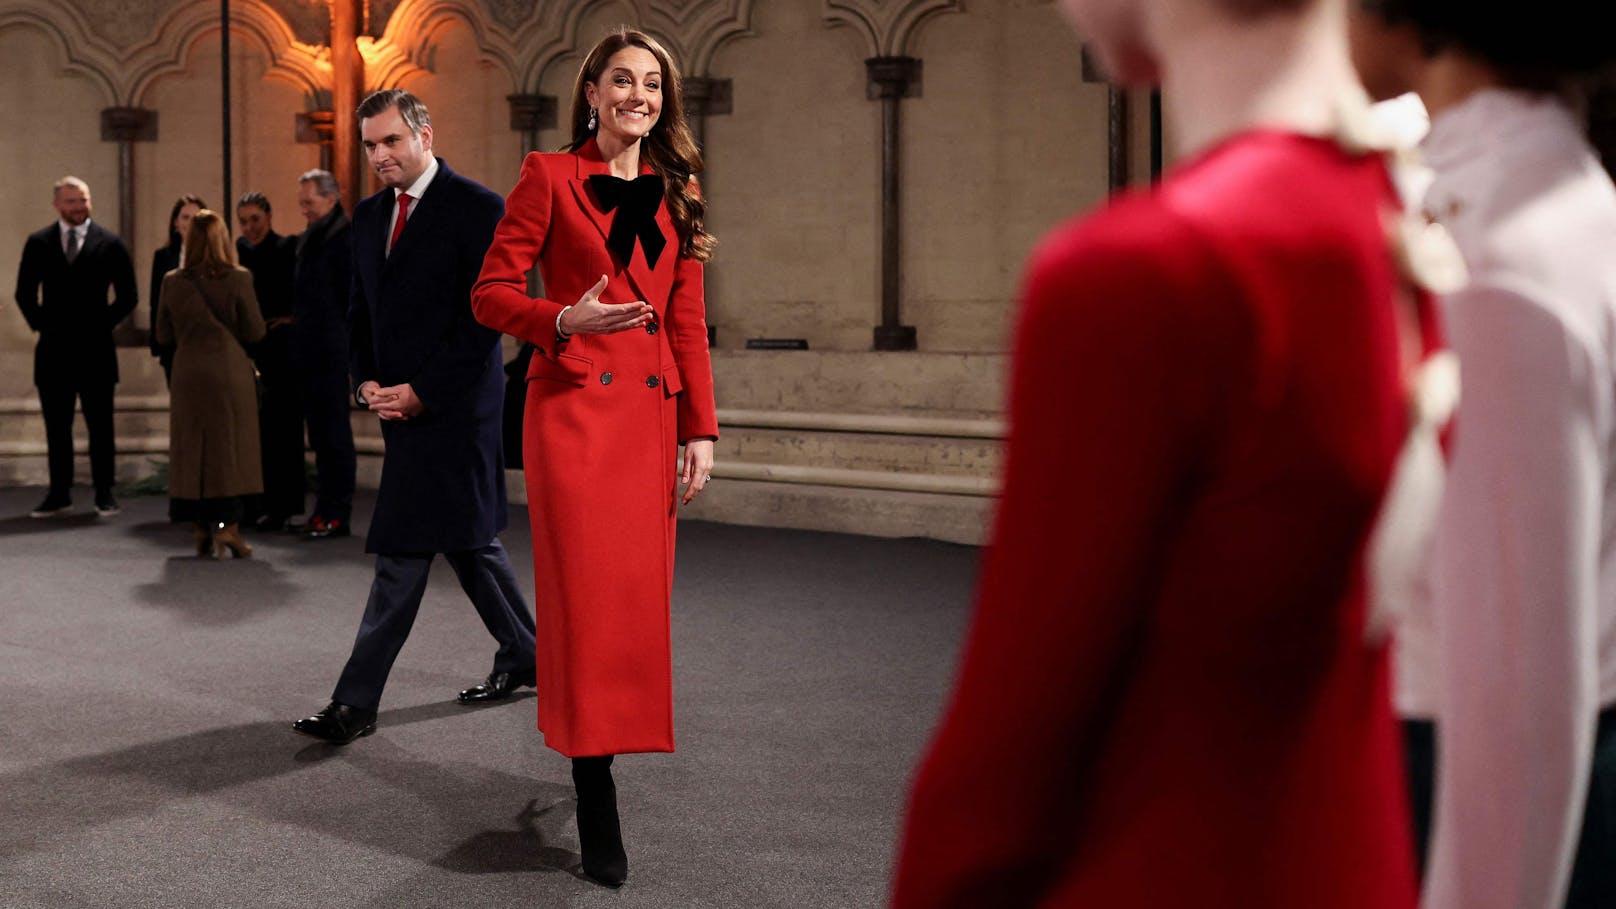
{"x":636,"y":201}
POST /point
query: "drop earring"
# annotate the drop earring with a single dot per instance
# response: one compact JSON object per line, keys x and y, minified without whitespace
{"x":593,"y":120}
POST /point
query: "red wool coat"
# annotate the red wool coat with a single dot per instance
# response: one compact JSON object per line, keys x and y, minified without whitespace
{"x":604,"y":418}
{"x":1168,"y":698}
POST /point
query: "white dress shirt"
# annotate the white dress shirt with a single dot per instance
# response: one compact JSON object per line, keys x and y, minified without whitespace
{"x":416,"y":190}
{"x":1514,"y":653}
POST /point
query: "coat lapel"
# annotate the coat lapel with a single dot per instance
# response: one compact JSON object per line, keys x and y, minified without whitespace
{"x":589,"y":163}
{"x":651,"y":285}
{"x":423,"y":212}
{"x":93,"y":238}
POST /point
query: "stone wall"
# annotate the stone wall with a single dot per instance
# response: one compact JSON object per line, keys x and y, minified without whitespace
{"x":1003,"y":139}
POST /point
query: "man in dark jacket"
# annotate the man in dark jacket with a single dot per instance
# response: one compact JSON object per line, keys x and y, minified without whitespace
{"x":320,"y":349}
{"x":76,"y":262}
{"x":272,"y":259}
{"x":432,"y":374}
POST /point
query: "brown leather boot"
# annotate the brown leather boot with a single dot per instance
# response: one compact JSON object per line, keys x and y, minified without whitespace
{"x":202,"y":535}
{"x":229,"y":537}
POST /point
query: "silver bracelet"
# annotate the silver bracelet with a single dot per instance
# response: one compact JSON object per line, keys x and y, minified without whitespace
{"x":563,"y":335}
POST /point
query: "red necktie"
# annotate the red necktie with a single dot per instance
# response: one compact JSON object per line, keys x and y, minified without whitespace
{"x":403,"y":213}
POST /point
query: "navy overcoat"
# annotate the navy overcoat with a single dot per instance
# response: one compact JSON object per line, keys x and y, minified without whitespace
{"x":443,"y":476}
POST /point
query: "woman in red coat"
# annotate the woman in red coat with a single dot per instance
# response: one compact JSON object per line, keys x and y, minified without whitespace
{"x":1171,"y":695}
{"x":620,"y":379}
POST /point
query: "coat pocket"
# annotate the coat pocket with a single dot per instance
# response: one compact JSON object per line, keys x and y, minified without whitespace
{"x":672,"y":382}
{"x":569,"y":368}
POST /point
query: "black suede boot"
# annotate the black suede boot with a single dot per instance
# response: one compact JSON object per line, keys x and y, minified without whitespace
{"x":599,"y":835}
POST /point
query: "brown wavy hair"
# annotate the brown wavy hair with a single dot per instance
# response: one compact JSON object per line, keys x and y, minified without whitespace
{"x":208,"y":249}
{"x":669,"y":148}
{"x":174,"y":237}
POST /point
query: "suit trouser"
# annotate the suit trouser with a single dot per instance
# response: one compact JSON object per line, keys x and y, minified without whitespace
{"x":1593,"y":871}
{"x":56,"y":402}
{"x":326,"y":404}
{"x":280,"y":438}
{"x":395,"y":598}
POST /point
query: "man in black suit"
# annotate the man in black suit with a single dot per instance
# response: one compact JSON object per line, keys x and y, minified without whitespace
{"x":321,"y":281}
{"x":76,"y":261}
{"x":272,"y":258}
{"x":433,"y":375}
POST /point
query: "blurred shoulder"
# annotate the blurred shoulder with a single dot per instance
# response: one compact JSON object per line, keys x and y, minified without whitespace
{"x":473,"y":193}
{"x":1134,"y":243}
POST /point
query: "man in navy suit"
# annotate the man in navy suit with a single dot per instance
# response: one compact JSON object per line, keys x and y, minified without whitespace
{"x":321,"y":279}
{"x":433,"y":375}
{"x":76,"y":261}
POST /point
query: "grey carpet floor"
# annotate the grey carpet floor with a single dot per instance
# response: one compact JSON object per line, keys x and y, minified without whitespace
{"x":146,"y":758}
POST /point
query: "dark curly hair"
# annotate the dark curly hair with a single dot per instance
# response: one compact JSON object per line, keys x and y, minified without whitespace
{"x":1542,"y":47}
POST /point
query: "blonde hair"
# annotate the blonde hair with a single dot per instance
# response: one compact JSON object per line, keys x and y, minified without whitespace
{"x":208,"y":249}
{"x":65,"y":182}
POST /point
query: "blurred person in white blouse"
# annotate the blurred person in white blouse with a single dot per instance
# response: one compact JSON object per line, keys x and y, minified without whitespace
{"x":1506,"y":672}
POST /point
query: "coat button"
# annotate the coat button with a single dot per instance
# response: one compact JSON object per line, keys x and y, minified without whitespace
{"x":650,"y":328}
{"x":652,"y":381}
{"x":605,"y":378}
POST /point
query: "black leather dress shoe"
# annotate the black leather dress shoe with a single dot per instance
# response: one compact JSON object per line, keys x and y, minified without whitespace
{"x":338,"y":724}
{"x":498,"y":686}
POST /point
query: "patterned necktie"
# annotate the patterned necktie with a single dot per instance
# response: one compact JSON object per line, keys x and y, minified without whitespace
{"x":72,"y":245}
{"x":404,"y":201}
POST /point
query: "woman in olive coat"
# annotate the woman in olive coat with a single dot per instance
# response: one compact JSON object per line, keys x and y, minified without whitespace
{"x":210,"y":313}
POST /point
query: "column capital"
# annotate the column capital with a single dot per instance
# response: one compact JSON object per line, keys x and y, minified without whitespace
{"x":316,"y":126}
{"x":128,"y":124}
{"x":708,"y":96}
{"x":531,"y":113}
{"x":893,"y":77}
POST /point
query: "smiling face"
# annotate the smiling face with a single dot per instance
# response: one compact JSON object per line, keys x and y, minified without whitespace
{"x":628,"y":95}
{"x":72,"y":203}
{"x":398,"y":155}
{"x":254,"y":223}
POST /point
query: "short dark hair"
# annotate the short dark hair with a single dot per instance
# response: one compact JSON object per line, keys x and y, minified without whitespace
{"x":255,"y":198}
{"x":409,"y":107}
{"x":1540,"y":47}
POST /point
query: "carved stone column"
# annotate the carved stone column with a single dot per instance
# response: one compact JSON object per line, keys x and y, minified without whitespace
{"x":1155,"y":135}
{"x":348,"y":73}
{"x":318,"y":127}
{"x":226,"y":142}
{"x":704,"y":95}
{"x":891,"y":80}
{"x":531,"y":113}
{"x":1116,"y":124}
{"x":126,"y":126}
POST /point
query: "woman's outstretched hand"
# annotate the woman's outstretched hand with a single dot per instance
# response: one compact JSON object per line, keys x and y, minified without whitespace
{"x":589,"y":316}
